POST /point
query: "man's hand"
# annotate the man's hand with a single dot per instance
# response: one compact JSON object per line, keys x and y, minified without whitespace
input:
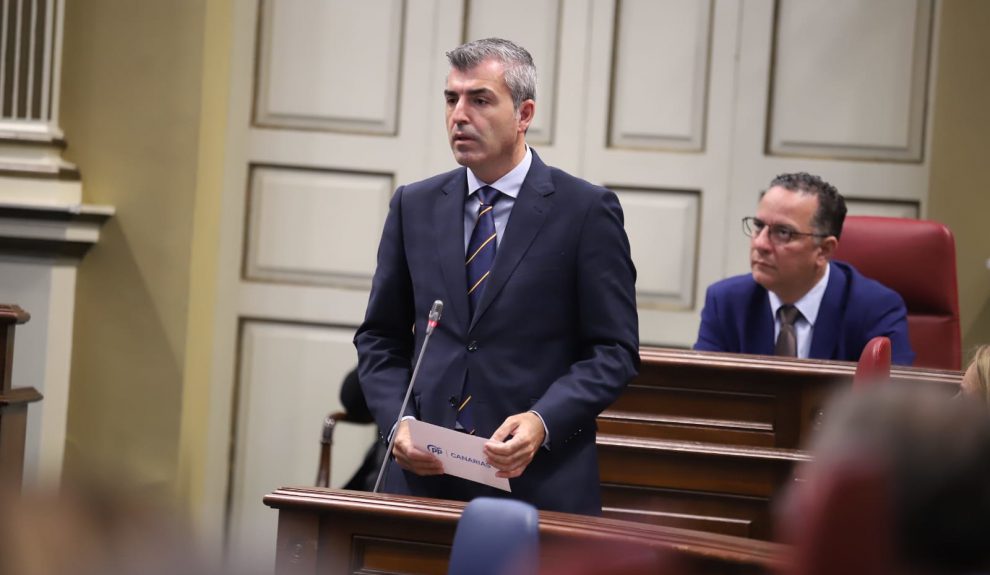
{"x":409,"y":457}
{"x":511,"y":457}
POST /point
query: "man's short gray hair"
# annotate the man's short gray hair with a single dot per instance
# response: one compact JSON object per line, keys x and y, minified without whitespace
{"x":520,"y":72}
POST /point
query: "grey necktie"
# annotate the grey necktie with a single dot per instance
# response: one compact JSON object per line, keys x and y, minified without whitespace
{"x":787,"y":338}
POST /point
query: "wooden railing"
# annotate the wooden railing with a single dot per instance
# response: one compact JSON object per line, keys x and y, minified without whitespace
{"x":710,"y":440}
{"x":330,"y":532}
{"x":13,"y":401}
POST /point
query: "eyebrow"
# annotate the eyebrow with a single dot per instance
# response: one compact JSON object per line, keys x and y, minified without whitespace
{"x":474,"y":92}
{"x":777,"y":224}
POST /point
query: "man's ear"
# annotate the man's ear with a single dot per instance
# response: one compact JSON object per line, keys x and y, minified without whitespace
{"x":827,"y":247}
{"x":526,"y":111}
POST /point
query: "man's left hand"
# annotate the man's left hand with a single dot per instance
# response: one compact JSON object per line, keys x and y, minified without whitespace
{"x":511,"y":457}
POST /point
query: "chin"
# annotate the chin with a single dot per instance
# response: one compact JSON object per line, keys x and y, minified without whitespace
{"x":762,"y":279}
{"x":466,"y":159}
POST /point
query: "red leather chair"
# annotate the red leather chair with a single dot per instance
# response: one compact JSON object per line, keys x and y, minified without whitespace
{"x":874,"y":363}
{"x":917,"y":259}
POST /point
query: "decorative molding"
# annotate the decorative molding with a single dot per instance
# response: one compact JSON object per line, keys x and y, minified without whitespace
{"x":879,"y":207}
{"x":29,"y":61}
{"x":869,"y":119}
{"x":659,"y":84}
{"x":663,"y":228}
{"x":50,"y":231}
{"x":307,"y":79}
{"x":294,"y":219}
{"x":539,"y":33}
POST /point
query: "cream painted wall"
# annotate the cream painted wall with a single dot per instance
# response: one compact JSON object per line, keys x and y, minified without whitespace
{"x":960,"y":176}
{"x":132,"y":113}
{"x":144,"y":111}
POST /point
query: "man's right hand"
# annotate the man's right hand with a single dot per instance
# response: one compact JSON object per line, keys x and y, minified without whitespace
{"x":409,"y":457}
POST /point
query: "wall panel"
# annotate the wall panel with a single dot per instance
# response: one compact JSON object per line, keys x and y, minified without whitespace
{"x":289,"y":379}
{"x":315,"y":226}
{"x":539,"y":33}
{"x":330,"y":65}
{"x":663,"y":229}
{"x":849,"y":79}
{"x":660,"y":74}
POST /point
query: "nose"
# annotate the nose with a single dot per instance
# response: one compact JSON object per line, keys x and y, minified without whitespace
{"x":761,"y":241}
{"x":458,"y":113}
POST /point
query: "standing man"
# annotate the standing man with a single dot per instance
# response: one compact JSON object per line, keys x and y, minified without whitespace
{"x":539,"y":332}
{"x":797,"y":301}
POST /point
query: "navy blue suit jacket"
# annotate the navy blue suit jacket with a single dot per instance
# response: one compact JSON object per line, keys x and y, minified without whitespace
{"x":854,"y":309}
{"x":556,"y":329}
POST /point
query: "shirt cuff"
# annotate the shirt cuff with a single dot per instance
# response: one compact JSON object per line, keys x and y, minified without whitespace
{"x":391,"y":433}
{"x":546,"y":432}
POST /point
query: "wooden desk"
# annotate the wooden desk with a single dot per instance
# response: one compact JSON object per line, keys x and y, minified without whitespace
{"x":330,"y":532}
{"x":13,"y":401}
{"x":710,"y":440}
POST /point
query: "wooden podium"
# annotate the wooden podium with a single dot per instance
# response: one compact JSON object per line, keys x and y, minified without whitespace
{"x":331,"y":531}
{"x":13,"y":401}
{"x":709,"y":441}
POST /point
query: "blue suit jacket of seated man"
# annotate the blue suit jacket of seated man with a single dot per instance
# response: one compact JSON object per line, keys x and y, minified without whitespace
{"x":855,"y":309}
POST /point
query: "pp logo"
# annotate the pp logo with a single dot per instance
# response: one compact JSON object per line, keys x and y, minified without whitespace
{"x":434,"y":449}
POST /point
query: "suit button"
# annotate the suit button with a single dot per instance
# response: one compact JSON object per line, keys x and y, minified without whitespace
{"x":452,"y":401}
{"x":473,"y":346}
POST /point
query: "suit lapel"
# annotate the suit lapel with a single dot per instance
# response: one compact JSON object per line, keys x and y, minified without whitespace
{"x":826,"y":336}
{"x":448,"y":225}
{"x":527,"y":217}
{"x":763,"y":324}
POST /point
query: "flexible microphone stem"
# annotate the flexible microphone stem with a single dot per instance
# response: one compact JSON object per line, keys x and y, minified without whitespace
{"x":434,"y":319}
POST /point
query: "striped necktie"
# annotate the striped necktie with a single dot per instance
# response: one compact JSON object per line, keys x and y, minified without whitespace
{"x":478,"y":263}
{"x":481,"y":248}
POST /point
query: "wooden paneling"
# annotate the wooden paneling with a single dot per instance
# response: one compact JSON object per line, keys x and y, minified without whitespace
{"x":888,"y":208}
{"x":298,"y":232}
{"x":333,"y":531}
{"x":663,"y":227}
{"x":738,"y":516}
{"x":286,"y":369}
{"x":711,"y":440}
{"x":13,"y":402}
{"x":660,"y":74}
{"x":539,"y":33}
{"x":855,"y":87}
{"x":330,"y":65}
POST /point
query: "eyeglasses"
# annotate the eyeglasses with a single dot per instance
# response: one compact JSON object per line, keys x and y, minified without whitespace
{"x":778,"y":234}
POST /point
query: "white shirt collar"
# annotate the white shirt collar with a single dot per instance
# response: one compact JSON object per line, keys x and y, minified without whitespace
{"x":809,"y":303}
{"x":510,"y":183}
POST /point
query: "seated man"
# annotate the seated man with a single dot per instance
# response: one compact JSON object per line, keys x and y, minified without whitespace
{"x":797,"y":301}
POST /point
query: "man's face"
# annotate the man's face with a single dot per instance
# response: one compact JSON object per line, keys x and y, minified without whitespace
{"x":486,"y":133}
{"x":788,"y":269}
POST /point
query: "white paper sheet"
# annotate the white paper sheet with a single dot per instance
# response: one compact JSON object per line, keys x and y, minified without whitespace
{"x":462,"y":454}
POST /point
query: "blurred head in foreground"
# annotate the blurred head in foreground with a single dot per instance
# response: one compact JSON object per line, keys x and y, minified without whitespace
{"x":900,"y":483}
{"x":93,"y":531}
{"x":976,"y":381}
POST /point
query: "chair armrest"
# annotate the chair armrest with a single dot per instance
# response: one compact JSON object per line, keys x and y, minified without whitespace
{"x":326,"y":442}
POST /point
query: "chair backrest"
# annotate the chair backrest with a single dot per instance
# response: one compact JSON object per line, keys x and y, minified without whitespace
{"x":874,"y":362}
{"x":496,"y":537}
{"x":917,"y":259}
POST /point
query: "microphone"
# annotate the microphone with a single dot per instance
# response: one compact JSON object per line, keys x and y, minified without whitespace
{"x":433,"y":320}
{"x":435,"y":312}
